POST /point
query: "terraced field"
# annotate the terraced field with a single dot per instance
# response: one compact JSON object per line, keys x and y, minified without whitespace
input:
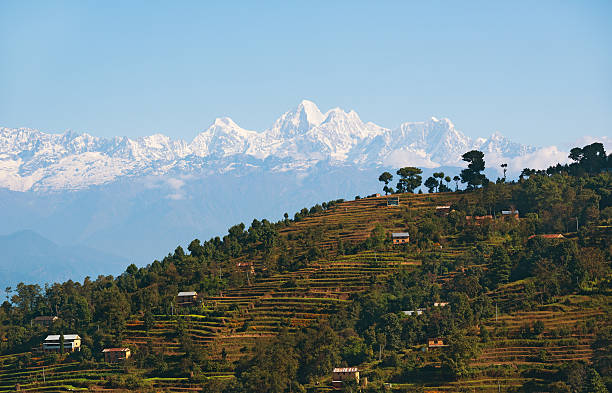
{"x":566,"y":336}
{"x":231,"y":322}
{"x":289,"y":300}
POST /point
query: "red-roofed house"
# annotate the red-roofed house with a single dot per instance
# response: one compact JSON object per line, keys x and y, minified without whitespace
{"x":435,"y":343}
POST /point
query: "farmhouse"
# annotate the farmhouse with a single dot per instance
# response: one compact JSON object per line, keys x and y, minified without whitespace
{"x":400,"y":237}
{"x":116,"y":355}
{"x":186,"y":298}
{"x":442,"y":211}
{"x":339,"y":375}
{"x":393,"y":201}
{"x":435,"y":343}
{"x":511,"y":214}
{"x":418,"y":311}
{"x":72,"y":342}
{"x":45,"y":320}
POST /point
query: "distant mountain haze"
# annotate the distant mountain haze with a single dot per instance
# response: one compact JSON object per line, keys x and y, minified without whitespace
{"x":29,"y":257}
{"x":141,"y":198}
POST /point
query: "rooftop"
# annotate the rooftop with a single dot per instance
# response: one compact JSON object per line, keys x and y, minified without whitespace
{"x":187,"y":294}
{"x":400,"y":234}
{"x":346,"y":370}
{"x":55,"y":337}
{"x":115,"y":349}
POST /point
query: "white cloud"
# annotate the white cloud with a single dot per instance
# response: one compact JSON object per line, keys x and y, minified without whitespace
{"x":539,"y":159}
{"x":176,"y":196}
{"x":175,"y":184}
{"x":408,"y":157}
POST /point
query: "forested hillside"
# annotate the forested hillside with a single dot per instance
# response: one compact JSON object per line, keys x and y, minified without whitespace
{"x":512,"y":280}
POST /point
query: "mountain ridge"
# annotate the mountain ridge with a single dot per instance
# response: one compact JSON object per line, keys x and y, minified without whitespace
{"x":297,"y":140}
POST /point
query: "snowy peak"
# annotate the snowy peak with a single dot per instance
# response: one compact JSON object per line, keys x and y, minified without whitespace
{"x":223,"y":138}
{"x":299,"y":139}
{"x":310,"y":112}
{"x":299,"y":121}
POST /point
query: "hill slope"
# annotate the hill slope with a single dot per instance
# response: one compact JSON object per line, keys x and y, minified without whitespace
{"x":283,"y":303}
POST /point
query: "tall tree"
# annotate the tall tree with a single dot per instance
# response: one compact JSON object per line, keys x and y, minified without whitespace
{"x":386,"y":177}
{"x":440,"y":176}
{"x":410,"y":179}
{"x":456,"y":180}
{"x":591,"y":158}
{"x":471,"y":175}
{"x":500,"y":266}
{"x":431,"y":183}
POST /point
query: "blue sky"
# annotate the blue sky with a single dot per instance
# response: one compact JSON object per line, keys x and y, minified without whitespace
{"x":538,"y":72}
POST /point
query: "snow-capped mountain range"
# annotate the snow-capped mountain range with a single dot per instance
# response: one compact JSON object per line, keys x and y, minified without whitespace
{"x":299,"y":139}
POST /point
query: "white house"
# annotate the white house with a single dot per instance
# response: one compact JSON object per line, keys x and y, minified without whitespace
{"x":72,"y":342}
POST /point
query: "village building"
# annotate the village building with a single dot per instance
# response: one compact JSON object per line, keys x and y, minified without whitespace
{"x":187,"y":298}
{"x":440,"y":304}
{"x":340,"y":375}
{"x":72,"y":343}
{"x":246,"y":266}
{"x":392,"y":201}
{"x":442,"y":211}
{"x":116,"y":355}
{"x":435,"y":343}
{"x":45,"y":320}
{"x":511,"y":214}
{"x":400,"y":237}
{"x":418,"y":311}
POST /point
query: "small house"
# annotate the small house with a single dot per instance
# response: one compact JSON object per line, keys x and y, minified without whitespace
{"x":435,"y":343}
{"x":392,"y":201}
{"x":186,"y":298}
{"x":246,"y":266}
{"x":440,"y":304}
{"x":511,"y":214}
{"x":116,"y":355}
{"x":442,"y":211}
{"x":418,"y":311}
{"x":72,"y":343}
{"x":340,"y":375}
{"x":400,"y":237}
{"x":45,"y":320}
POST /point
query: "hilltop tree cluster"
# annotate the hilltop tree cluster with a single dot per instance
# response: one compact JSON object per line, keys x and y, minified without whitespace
{"x":589,"y":160}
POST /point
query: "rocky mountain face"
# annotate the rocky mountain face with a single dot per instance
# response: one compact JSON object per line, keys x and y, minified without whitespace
{"x":298,"y":140}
